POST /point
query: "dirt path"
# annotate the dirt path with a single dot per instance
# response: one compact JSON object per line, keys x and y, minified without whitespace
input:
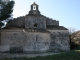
{"x":8,"y":55}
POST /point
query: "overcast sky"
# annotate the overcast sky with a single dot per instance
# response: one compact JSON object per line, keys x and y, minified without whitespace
{"x":67,"y":12}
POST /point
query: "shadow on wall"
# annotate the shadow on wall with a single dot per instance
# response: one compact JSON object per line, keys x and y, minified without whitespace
{"x":16,"y":50}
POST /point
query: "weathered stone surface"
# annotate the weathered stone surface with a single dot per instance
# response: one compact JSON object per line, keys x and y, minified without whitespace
{"x":4,"y":48}
{"x":28,"y":41}
{"x":35,"y":22}
{"x":20,"y":40}
{"x":52,"y":22}
{"x":59,"y":41}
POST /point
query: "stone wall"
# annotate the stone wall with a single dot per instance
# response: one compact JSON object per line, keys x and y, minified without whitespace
{"x":32,"y":22}
{"x":35,"y":22}
{"x":59,"y":40}
{"x":17,"y":22}
{"x":52,"y":22}
{"x":21,"y":40}
{"x":24,"y":41}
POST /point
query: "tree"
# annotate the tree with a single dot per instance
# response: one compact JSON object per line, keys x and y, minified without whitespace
{"x":6,"y":9}
{"x":72,"y":35}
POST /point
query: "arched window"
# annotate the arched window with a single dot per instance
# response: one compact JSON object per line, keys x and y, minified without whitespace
{"x":34,"y":7}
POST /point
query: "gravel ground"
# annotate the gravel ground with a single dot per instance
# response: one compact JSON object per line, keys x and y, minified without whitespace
{"x":8,"y":55}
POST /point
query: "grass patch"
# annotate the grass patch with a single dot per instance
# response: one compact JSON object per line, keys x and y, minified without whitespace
{"x":72,"y":55}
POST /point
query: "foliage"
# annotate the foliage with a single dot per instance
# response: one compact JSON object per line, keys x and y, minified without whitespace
{"x":72,"y":35}
{"x":6,"y":10}
{"x":74,"y":46}
{"x":1,"y":24}
{"x":72,"y":55}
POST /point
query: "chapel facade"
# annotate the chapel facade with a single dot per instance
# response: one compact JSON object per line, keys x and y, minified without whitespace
{"x":34,"y":33}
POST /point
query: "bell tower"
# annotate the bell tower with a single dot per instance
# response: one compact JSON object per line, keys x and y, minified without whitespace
{"x":34,"y":19}
{"x":34,"y":9}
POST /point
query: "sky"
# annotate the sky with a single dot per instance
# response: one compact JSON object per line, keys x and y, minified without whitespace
{"x":67,"y":12}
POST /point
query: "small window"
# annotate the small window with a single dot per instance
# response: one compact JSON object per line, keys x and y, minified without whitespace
{"x":36,"y":37}
{"x":35,"y":25}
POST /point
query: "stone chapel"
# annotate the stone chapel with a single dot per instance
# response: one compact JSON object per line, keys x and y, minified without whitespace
{"x":34,"y":33}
